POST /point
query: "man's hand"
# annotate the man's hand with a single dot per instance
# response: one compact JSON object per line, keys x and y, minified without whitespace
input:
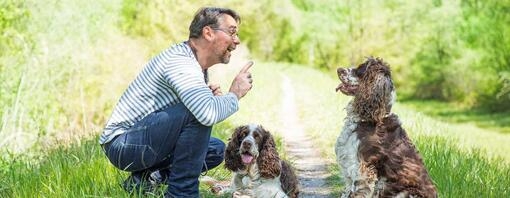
{"x":242,"y":82}
{"x":216,"y":90}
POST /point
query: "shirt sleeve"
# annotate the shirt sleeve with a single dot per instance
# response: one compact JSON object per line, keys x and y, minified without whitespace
{"x":188,"y":82}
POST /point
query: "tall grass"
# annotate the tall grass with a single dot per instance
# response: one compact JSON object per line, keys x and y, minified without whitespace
{"x":80,"y":170}
{"x":76,"y":171}
{"x":458,"y":173}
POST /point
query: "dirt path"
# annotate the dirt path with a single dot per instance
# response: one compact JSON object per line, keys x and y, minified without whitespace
{"x":311,"y":168}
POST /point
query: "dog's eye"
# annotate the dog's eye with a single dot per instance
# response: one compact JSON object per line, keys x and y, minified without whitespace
{"x":360,"y":71}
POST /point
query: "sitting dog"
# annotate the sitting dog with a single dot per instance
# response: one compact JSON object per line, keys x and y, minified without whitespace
{"x":257,"y":168}
{"x":376,"y":156}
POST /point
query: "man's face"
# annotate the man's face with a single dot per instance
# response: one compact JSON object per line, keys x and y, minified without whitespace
{"x":226,"y":38}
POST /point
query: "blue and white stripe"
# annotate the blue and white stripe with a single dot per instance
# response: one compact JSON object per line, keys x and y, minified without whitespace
{"x":172,"y":77}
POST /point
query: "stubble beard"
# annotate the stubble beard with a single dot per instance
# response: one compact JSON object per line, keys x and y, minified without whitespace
{"x":225,"y":59}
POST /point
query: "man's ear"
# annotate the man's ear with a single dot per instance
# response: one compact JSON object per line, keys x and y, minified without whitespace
{"x":208,"y":33}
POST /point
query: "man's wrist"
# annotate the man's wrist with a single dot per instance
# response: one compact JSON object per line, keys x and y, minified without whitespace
{"x":235,"y":94}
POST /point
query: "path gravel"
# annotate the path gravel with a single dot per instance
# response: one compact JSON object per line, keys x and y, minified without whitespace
{"x":311,"y":168}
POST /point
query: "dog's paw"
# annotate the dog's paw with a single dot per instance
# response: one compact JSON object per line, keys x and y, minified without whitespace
{"x":216,"y":187}
{"x":219,"y":189}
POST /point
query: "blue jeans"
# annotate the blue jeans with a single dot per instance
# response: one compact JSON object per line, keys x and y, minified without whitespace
{"x":171,"y":139}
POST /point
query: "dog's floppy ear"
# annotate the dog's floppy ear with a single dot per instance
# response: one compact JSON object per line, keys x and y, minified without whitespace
{"x":373,"y":100}
{"x":268,"y":160}
{"x":232,"y":158}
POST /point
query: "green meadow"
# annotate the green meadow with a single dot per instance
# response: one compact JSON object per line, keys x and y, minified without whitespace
{"x":64,"y":64}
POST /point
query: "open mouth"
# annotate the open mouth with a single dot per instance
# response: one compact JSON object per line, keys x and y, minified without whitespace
{"x":345,"y":87}
{"x":247,"y":158}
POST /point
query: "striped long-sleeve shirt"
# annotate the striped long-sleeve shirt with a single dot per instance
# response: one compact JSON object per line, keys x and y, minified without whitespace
{"x":172,"y":77}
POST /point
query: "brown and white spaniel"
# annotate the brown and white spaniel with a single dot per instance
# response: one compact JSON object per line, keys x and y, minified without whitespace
{"x":257,"y":168}
{"x":376,"y":156}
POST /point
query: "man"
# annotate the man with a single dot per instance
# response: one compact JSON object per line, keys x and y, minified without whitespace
{"x":162,"y":123}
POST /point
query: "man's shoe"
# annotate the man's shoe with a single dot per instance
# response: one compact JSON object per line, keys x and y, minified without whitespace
{"x":143,"y":183}
{"x":158,"y":177}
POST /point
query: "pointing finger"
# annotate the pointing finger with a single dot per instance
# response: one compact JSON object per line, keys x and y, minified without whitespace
{"x":246,"y":67}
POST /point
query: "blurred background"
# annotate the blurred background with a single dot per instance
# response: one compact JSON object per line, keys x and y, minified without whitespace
{"x":64,"y":64}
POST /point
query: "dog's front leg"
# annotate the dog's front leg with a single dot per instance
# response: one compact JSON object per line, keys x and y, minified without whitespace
{"x":348,"y":187}
{"x":236,"y":185}
{"x":242,"y":186}
{"x":237,"y":182}
{"x":365,"y":185}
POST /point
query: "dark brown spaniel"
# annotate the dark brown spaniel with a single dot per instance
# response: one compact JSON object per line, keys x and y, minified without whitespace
{"x":376,"y":157}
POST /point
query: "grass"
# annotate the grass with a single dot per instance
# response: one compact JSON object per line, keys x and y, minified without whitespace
{"x":458,"y":173}
{"x":76,"y":171}
{"x":81,"y":170}
{"x":496,"y":121}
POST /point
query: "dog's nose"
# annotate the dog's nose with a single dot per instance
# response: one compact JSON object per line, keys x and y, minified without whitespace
{"x":341,"y":71}
{"x":246,"y":144}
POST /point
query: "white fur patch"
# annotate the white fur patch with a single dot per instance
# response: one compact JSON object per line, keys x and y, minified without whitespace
{"x":346,"y":150}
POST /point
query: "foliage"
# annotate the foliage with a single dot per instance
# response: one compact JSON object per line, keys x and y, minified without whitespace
{"x":426,"y":43}
{"x":14,"y":43}
{"x":160,"y":21}
{"x":51,"y":89}
{"x":471,"y":48}
{"x":13,"y":18}
{"x":505,"y":79}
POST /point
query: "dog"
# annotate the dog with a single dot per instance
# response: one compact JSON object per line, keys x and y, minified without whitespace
{"x":374,"y":152}
{"x":257,"y":168}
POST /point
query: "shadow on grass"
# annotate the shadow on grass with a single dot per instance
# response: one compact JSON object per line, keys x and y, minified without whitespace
{"x":497,"y":121}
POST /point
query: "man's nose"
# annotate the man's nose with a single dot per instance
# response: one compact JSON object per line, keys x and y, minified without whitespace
{"x":237,"y":40}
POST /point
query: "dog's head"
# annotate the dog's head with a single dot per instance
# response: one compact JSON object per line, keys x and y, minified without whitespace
{"x":372,"y":87}
{"x":249,"y":145}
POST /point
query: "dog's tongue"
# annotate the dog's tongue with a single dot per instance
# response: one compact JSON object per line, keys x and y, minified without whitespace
{"x":246,"y":158}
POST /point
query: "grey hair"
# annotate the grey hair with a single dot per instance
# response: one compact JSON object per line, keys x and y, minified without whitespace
{"x":208,"y":16}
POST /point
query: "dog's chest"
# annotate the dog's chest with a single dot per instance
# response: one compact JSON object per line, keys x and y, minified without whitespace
{"x":346,"y":147}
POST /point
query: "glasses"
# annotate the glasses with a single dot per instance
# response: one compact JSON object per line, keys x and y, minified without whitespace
{"x":232,"y":33}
